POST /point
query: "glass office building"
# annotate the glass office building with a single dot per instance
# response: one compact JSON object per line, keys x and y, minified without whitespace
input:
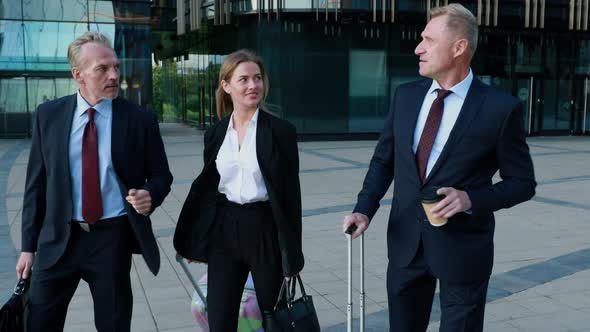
{"x":334,"y":64}
{"x":34,"y":37}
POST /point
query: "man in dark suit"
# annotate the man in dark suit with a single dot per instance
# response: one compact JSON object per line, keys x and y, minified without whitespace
{"x":449,"y":133}
{"x":97,"y":169}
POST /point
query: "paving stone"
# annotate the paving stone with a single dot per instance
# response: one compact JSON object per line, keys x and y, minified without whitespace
{"x":542,"y":247}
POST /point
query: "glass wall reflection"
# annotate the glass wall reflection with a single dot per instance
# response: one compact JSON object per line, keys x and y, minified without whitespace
{"x":367,"y":90}
{"x":34,"y":37}
{"x":184,"y":88}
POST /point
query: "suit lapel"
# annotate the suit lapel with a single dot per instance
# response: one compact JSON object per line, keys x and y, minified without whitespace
{"x":68,"y":118}
{"x":218,"y":138}
{"x":119,"y":128}
{"x":472,"y":103}
{"x":263,"y":141}
{"x":407,"y":125}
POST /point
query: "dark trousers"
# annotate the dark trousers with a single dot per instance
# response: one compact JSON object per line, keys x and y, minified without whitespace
{"x":102,"y":258}
{"x":410,"y":292}
{"x":246,"y":240}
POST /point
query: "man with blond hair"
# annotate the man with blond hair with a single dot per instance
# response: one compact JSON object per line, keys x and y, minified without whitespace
{"x":97,"y":169}
{"x":444,"y":139}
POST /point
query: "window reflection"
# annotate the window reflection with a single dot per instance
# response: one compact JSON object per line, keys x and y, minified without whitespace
{"x":42,"y":90}
{"x":10,"y":9}
{"x":46,"y":43}
{"x":12,"y":95}
{"x":11,"y":46}
{"x":68,"y":10}
{"x":367,"y":90}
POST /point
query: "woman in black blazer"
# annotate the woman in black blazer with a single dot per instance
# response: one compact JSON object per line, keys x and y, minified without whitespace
{"x":243,"y":212}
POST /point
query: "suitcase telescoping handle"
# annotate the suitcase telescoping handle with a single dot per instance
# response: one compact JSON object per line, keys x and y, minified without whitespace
{"x":349,"y":232}
{"x":182,"y":262}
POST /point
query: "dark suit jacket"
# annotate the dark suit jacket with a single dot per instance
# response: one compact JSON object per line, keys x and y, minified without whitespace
{"x":278,"y":158}
{"x":488,"y":136}
{"x":139,"y":160}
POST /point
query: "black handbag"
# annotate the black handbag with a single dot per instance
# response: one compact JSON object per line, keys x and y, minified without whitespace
{"x":12,"y":317}
{"x":294,"y":315}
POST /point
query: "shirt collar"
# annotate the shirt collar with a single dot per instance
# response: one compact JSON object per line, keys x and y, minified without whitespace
{"x":253,"y":121}
{"x":103,"y":107}
{"x":460,"y":89}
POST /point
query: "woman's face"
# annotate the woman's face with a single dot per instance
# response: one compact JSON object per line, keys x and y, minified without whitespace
{"x":245,"y":87}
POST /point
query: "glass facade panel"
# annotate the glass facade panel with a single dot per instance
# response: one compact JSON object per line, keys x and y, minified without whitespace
{"x":33,"y":51}
{"x":172,"y":96}
{"x":132,"y":46}
{"x":555,"y":105}
{"x":46,"y":43}
{"x":13,"y":95}
{"x":11,"y":46}
{"x":11,"y":9}
{"x":367,"y":90}
{"x":583,"y":58}
{"x":14,"y":118}
{"x":587,"y":106}
{"x":557,"y":14}
{"x":523,"y":92}
{"x":511,"y":13}
{"x":45,"y":89}
{"x":301,"y":4}
{"x":133,"y":13}
{"x":68,"y":10}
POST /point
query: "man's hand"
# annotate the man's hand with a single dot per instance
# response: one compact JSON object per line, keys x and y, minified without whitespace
{"x":141,"y":200}
{"x":360,"y":220}
{"x":23,"y":266}
{"x":455,"y":201}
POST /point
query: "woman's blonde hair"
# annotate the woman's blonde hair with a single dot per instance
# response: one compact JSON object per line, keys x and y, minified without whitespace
{"x":223,"y":100}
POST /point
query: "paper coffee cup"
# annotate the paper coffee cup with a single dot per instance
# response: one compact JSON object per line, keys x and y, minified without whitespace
{"x":429,"y":199}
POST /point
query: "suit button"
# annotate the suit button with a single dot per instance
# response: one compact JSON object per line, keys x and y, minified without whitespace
{"x":418,"y":220}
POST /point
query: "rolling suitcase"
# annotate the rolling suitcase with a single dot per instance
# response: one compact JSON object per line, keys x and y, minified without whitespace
{"x":349,"y":232}
{"x":250,"y":319}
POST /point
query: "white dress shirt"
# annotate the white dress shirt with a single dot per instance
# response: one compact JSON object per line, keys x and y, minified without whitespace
{"x":112,"y":201}
{"x":240,"y":178}
{"x":453,"y":104}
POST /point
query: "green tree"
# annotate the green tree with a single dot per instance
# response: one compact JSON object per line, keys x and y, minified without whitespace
{"x":158,"y":92}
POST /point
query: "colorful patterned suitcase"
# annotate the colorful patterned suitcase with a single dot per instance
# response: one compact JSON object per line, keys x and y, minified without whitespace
{"x":250,"y":319}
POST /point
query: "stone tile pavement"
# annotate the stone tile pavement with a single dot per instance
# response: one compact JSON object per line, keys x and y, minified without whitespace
{"x":541,"y":276}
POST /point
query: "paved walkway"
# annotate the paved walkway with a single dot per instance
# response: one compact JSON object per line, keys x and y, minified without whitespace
{"x":541,"y":274}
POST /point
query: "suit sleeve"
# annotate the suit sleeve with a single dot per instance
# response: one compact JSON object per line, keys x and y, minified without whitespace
{"x":159,"y":178}
{"x":292,"y":196}
{"x":381,"y":169}
{"x":515,"y":166}
{"x":34,"y":203}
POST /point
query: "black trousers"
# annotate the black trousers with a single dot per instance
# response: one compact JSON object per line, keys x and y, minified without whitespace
{"x":102,"y":258}
{"x":410,"y":292}
{"x":245,"y":241}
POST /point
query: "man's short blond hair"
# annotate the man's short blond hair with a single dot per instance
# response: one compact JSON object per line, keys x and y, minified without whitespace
{"x":87,"y":37}
{"x":460,"y":22}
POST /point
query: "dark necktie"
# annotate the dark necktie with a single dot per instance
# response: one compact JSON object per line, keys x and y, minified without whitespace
{"x":429,"y":132}
{"x":91,"y":198}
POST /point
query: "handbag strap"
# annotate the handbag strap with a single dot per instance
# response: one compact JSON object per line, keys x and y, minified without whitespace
{"x":300,"y":286}
{"x":288,"y":290}
{"x":21,"y":287}
{"x":284,"y":288}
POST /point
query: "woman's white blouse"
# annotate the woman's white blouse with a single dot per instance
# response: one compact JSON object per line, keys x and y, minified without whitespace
{"x":241,"y":181}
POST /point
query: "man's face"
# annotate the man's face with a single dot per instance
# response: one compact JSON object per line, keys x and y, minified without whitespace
{"x":97,"y":73}
{"x":436,"y":49}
